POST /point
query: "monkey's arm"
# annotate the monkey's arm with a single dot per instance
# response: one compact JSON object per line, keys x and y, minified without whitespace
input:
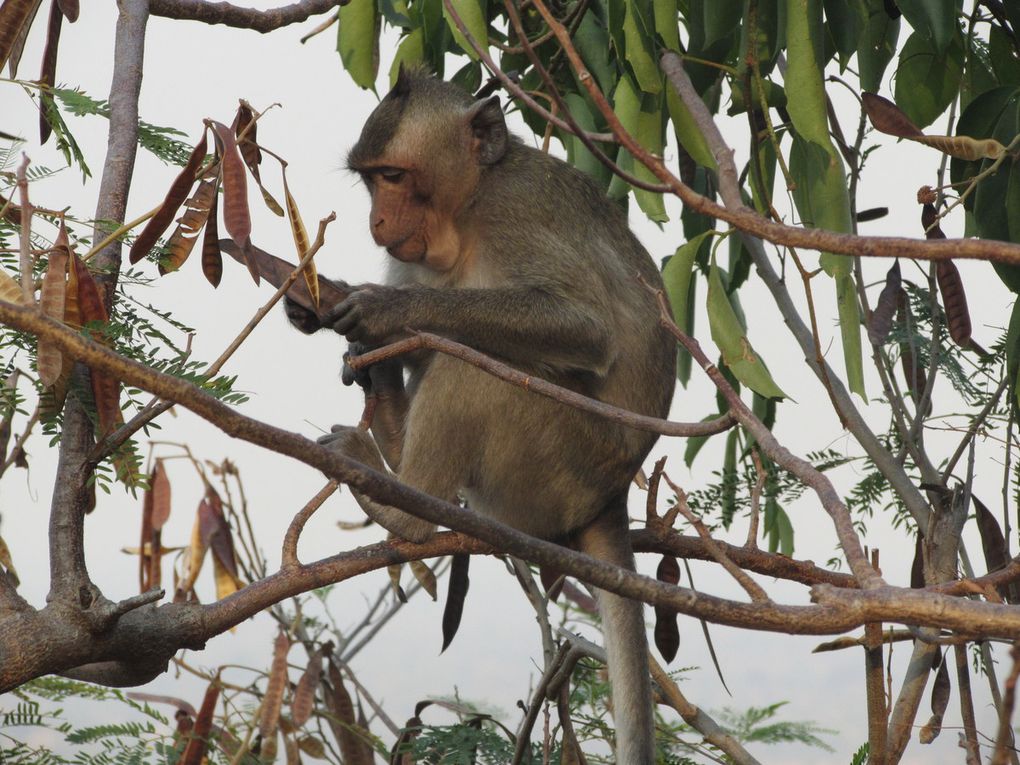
{"x":384,"y":381}
{"x":533,"y":325}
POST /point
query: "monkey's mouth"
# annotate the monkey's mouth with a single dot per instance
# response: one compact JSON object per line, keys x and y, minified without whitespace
{"x":408,"y":250}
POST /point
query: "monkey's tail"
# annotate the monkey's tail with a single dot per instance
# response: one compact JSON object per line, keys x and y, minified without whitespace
{"x":626,"y":645}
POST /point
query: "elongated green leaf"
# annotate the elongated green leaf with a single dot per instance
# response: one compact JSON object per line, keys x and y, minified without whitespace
{"x":410,"y":51}
{"x":666,"y":23}
{"x":577,"y":153}
{"x":687,"y":132}
{"x":728,"y":334}
{"x":678,"y":279}
{"x":877,"y":45}
{"x":846,"y":21}
{"x":934,"y":19}
{"x":358,"y":41}
{"x":639,"y":33}
{"x":821,"y":194}
{"x":927,"y":81}
{"x":473,"y":14}
{"x":642,"y":117}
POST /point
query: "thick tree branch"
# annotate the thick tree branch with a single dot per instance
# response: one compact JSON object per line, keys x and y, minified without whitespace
{"x":243,"y":18}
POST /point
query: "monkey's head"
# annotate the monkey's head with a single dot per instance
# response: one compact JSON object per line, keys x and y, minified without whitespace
{"x":421,"y":155}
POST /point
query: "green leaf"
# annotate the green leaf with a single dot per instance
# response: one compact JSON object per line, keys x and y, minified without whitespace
{"x":721,"y":18}
{"x":1013,"y":350}
{"x":577,"y":153}
{"x":995,"y":206}
{"x":687,"y":132}
{"x":877,"y":45}
{"x":846,"y":22}
{"x":641,"y":116}
{"x":666,"y":26}
{"x":638,"y":32}
{"x":468,"y":77}
{"x":473,"y":14}
{"x":695,"y":443}
{"x":728,"y":335}
{"x":934,"y":19}
{"x":592,"y":42}
{"x":410,"y":51}
{"x":358,"y":41}
{"x":927,"y":81}
{"x":678,"y":279}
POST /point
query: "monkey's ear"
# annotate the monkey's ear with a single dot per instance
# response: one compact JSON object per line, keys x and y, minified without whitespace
{"x":489,"y":130}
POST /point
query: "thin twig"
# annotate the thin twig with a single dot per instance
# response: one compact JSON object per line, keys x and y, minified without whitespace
{"x":290,"y":540}
{"x":751,"y":587}
{"x":420,"y":340}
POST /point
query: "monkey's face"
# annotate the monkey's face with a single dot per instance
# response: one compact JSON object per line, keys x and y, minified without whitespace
{"x":421,"y":154}
{"x":398,"y":216}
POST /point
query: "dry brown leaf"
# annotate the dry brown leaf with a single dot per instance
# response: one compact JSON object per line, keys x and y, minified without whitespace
{"x":216,"y":531}
{"x":302,"y":245}
{"x":196,"y":213}
{"x":880,"y":321}
{"x":248,"y":145}
{"x":272,"y":700}
{"x":236,"y":215}
{"x":105,"y":389}
{"x":887,"y":117}
{"x":160,"y":489}
{"x":212,"y":260}
{"x":354,"y":750}
{"x":178,"y":192}
{"x":963,"y":146}
{"x":15,"y":20}
{"x":69,"y":9}
{"x":268,"y":748}
{"x":48,"y":75}
{"x":667,"y":631}
{"x":10,"y":290}
{"x":954,"y":300}
{"x":457,"y":585}
{"x":226,"y":582}
{"x":195,"y":558}
{"x":425,"y":577}
{"x":304,"y":694}
{"x":194,"y":753}
{"x":145,"y":545}
{"x":312,"y":746}
{"x":51,"y":300}
{"x":291,"y":750}
{"x":394,"y":574}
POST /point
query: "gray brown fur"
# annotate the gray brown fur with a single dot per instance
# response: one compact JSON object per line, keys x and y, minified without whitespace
{"x":547,"y":282}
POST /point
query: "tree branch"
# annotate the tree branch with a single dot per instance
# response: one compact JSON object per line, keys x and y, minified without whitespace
{"x":242,"y":18}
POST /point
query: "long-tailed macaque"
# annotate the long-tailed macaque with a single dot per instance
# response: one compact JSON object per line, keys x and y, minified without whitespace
{"x":515,"y":253}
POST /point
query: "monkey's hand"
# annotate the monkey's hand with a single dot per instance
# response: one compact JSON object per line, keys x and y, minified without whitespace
{"x":380,"y":378}
{"x":303,"y":318}
{"x":372,"y":314}
{"x":359,"y":445}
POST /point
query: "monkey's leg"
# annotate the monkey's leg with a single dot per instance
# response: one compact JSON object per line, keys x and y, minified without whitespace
{"x":359,"y":445}
{"x":626,"y":646}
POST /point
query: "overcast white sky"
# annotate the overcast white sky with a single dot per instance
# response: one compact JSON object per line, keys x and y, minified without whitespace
{"x":194,"y":71}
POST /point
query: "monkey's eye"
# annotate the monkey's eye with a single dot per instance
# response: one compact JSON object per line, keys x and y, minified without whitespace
{"x":391,"y":174}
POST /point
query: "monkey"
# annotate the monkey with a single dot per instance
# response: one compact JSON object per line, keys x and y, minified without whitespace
{"x":511,"y":251}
